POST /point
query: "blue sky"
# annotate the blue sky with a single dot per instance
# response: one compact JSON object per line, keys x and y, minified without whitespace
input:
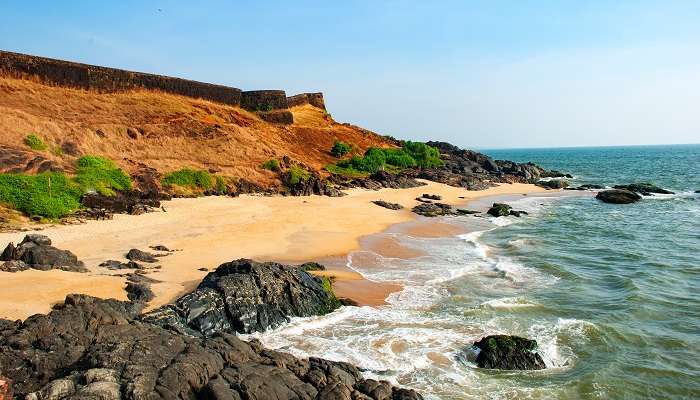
{"x":476,"y":73}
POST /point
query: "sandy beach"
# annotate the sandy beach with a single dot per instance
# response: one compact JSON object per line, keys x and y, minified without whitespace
{"x":211,"y":230}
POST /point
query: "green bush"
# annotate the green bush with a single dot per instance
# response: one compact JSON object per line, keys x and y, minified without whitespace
{"x":196,"y":179}
{"x":101,"y":175}
{"x":221,"y":186}
{"x":297,"y":174}
{"x":271,"y":164}
{"x":425,"y":156}
{"x":333,"y":302}
{"x":51,"y":195}
{"x":413,"y":154}
{"x":35,"y":142}
{"x":340,"y":149}
{"x":345,"y":171}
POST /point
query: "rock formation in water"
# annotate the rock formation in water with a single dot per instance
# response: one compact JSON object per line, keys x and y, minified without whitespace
{"x":36,"y":252}
{"x":507,"y":352}
{"x":618,"y":196}
{"x":644,"y":189}
{"x":246,"y":296}
{"x":503,"y":210}
{"x":89,"y":348}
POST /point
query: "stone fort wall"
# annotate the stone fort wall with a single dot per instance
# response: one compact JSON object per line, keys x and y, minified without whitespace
{"x":315,"y":99}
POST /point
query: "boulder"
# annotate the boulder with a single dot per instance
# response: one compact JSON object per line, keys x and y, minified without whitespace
{"x":618,"y":196}
{"x":116,"y":265}
{"x":434,"y":209}
{"x":499,"y":210}
{"x":553,"y":184}
{"x":386,"y":204}
{"x":140,"y":255}
{"x":246,"y":296}
{"x":643,"y":188}
{"x":507,"y":352}
{"x":431,"y":196}
{"x":35,"y":251}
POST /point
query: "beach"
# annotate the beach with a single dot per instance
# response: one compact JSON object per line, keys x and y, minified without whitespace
{"x":208,"y":231}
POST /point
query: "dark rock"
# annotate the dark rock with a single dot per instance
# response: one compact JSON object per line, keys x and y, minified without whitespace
{"x":312,"y":266}
{"x":422,"y":200}
{"x":96,"y":214}
{"x":246,"y":296}
{"x":133,"y":202}
{"x":140,"y":255}
{"x":116,"y":265}
{"x":434,"y":209}
{"x":466,"y":212}
{"x":431,"y":196}
{"x":13,"y":266}
{"x":618,"y":196}
{"x":587,"y":186}
{"x":139,"y":292}
{"x":517,"y":213}
{"x":203,"y":269}
{"x":508,"y":353}
{"x":92,"y":348}
{"x":499,"y":210}
{"x":37,"y":253}
{"x":348,"y":302}
{"x":385,"y":204}
{"x":160,"y":247}
{"x":553,"y":184}
{"x":643,"y":188}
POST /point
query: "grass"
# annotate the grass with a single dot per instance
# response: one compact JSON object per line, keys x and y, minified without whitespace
{"x":35,"y":143}
{"x":340,"y":149}
{"x":51,"y":195}
{"x":101,"y":175}
{"x":297,"y":174}
{"x":332,"y":303}
{"x":271,"y":164}
{"x":54,"y":195}
{"x":221,"y":186}
{"x":346,"y":172}
{"x":190,"y":178}
{"x":412,"y":154}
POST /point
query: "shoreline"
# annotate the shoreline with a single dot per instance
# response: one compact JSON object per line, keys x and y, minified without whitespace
{"x":212,"y":230}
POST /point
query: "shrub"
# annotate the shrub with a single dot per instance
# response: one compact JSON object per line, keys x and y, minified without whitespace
{"x":221,"y":186}
{"x":340,"y":149}
{"x":345,"y":171}
{"x":191,"y":178}
{"x":425,"y":156}
{"x":51,"y":195}
{"x":271,"y":164}
{"x":413,"y":154}
{"x":101,"y":175}
{"x":35,"y":142}
{"x":297,"y":174}
{"x":333,"y":302}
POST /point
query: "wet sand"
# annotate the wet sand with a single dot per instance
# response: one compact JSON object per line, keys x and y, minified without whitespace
{"x":212,"y":230}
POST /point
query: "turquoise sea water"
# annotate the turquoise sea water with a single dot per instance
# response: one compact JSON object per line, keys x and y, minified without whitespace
{"x":610,"y":292}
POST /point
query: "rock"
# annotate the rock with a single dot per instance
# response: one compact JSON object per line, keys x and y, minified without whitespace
{"x":160,"y":247}
{"x":37,"y":253}
{"x":96,"y":214}
{"x":246,"y":296}
{"x":553,"y":184}
{"x":466,"y":212}
{"x":385,"y":204}
{"x":433,"y":209}
{"x":13,"y":266}
{"x":587,"y":186}
{"x":508,"y":353}
{"x":139,"y":255}
{"x":499,"y":210}
{"x":422,"y":200}
{"x":116,"y":265}
{"x":312,"y":266}
{"x":203,"y":269}
{"x":618,"y":196}
{"x":133,"y":202}
{"x":99,"y":349}
{"x":139,"y":292}
{"x":431,"y":196}
{"x":348,"y":302}
{"x":643,"y":188}
{"x":517,"y":213}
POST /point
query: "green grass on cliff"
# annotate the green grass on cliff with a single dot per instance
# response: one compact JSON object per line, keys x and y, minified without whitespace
{"x":412,"y":154}
{"x":189,"y":178}
{"x":297,"y":174}
{"x":332,"y":303}
{"x":35,"y":143}
{"x":54,"y":194}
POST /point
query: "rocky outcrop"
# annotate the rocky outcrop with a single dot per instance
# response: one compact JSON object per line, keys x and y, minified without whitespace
{"x":89,"y":348}
{"x":434,"y":209}
{"x":503,"y":210}
{"x":645,"y":189}
{"x":376,"y":181}
{"x":386,"y":204}
{"x":553,"y":184}
{"x":507,"y":352}
{"x":618,"y":196}
{"x":35,"y":252}
{"x":246,"y":296}
{"x":140,"y":255}
{"x":431,"y":196}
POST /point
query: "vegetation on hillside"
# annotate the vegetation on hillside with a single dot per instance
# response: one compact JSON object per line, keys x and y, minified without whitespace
{"x":412,"y":154}
{"x":340,"y":149}
{"x":271,"y":164}
{"x":35,"y":143}
{"x":54,"y":194}
{"x":189,"y":178}
{"x":297,"y":174}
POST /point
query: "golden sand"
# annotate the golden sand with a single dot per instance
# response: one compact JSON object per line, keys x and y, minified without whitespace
{"x":212,"y":230}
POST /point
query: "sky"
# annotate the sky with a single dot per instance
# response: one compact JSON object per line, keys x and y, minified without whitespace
{"x":479,"y":74}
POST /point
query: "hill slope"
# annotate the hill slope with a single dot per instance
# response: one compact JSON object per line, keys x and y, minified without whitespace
{"x":160,"y":130}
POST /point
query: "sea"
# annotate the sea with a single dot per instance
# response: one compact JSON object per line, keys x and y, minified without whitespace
{"x":610,"y":292}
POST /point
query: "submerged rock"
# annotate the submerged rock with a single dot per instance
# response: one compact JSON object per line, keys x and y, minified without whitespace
{"x":507,"y":352}
{"x":246,"y":296}
{"x":386,"y":204}
{"x":643,"y":188}
{"x":587,"y":186}
{"x":618,"y":196}
{"x":36,"y":252}
{"x":499,"y":210}
{"x":89,"y":348}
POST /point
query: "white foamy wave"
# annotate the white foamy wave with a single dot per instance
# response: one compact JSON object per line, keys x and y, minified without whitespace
{"x":502,"y":221}
{"x":508,"y":303}
{"x":555,"y":341}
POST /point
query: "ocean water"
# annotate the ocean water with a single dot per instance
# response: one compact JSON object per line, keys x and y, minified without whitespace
{"x":610,"y":292}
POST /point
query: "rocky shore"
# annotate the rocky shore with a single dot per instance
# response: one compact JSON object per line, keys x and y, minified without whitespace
{"x":90,"y":348}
